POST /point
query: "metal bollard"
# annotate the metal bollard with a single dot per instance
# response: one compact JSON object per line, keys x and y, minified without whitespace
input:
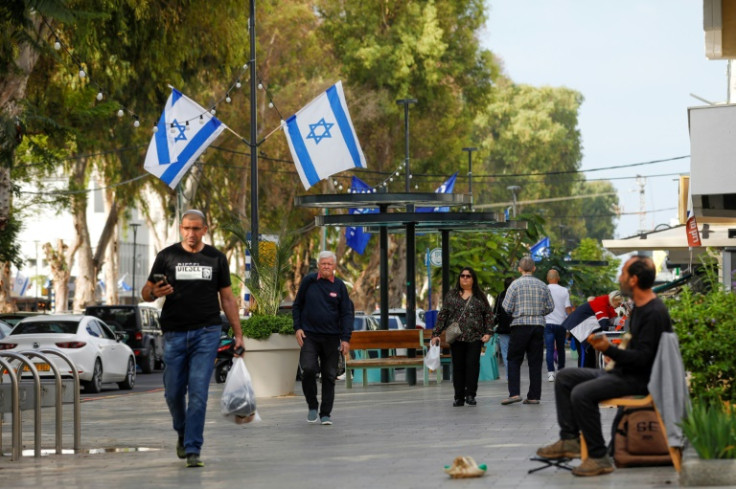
{"x":57,"y":404}
{"x":77,"y":400}
{"x":15,"y":428}
{"x":37,"y":393}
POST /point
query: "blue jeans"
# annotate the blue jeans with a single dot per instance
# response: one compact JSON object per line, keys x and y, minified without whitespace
{"x":190,"y":359}
{"x":503,"y":342}
{"x":555,"y":334}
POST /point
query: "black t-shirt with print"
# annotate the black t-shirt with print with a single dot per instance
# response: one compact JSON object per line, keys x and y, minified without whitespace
{"x":197,"y":279}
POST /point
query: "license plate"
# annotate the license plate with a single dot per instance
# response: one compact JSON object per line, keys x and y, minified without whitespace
{"x":40,"y":367}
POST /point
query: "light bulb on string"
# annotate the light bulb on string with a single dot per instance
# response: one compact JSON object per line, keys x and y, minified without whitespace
{"x":340,"y":187}
{"x":213,"y":111}
{"x":121,"y":113}
{"x":260,"y":86}
{"x":238,"y":84}
{"x":411,"y":176}
{"x":57,"y":45}
{"x":416,"y":187}
{"x":136,"y":123}
{"x":99,"y":95}
{"x":228,"y":99}
{"x":391,"y":179}
{"x":82,"y":74}
{"x":155,"y":128}
{"x":270,"y":105}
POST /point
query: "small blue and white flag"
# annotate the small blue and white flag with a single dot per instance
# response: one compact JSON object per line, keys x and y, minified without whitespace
{"x":355,"y":237}
{"x":184,"y":131}
{"x":123,"y":285}
{"x":540,"y":249}
{"x":446,"y":188}
{"x":20,"y":284}
{"x":322,"y":138}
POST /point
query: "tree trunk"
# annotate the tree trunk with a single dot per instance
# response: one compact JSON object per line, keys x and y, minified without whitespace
{"x":6,"y":305}
{"x":57,"y":260}
{"x":396,"y":270}
{"x":110,"y":264}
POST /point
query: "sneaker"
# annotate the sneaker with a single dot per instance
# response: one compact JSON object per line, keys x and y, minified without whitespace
{"x":180,"y":452}
{"x":193,"y":460}
{"x":341,"y":376}
{"x":312,"y":417}
{"x":326,"y":420}
{"x":561,"y":449}
{"x":594,"y":466}
{"x":551,"y":377}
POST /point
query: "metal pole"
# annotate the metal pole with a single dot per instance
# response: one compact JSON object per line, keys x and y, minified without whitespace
{"x":513,"y":189}
{"x":405,"y":102}
{"x":384,"y":284}
{"x":134,"y":295}
{"x":470,"y":173}
{"x":253,"y":143}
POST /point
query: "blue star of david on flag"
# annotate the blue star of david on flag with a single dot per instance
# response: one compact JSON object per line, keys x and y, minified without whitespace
{"x":172,"y":153}
{"x":181,"y":128}
{"x":325,"y":147}
{"x":325,"y":132}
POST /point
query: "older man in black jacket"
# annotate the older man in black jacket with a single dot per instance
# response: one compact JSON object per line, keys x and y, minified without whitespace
{"x":323,"y":322}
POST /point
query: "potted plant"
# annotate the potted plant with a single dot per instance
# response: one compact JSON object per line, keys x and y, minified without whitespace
{"x":271,"y":349}
{"x":705,"y":322}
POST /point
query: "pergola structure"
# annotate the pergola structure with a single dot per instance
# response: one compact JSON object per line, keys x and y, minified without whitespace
{"x":404,"y":219}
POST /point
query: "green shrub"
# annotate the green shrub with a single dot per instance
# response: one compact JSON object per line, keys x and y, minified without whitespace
{"x":706,"y":327}
{"x":711,"y":428}
{"x":260,"y":327}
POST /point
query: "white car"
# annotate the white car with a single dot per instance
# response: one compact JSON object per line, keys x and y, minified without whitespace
{"x":99,"y":355}
{"x":401,"y":313}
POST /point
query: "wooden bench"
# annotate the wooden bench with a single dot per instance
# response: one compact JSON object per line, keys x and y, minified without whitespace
{"x":385,"y":340}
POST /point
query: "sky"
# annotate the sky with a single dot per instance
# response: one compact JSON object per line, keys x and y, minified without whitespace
{"x":636,"y":64}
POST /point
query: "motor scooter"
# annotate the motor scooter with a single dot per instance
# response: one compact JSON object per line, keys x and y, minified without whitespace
{"x":224,"y":358}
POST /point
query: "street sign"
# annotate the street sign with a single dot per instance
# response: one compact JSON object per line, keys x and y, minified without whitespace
{"x":435,"y":257}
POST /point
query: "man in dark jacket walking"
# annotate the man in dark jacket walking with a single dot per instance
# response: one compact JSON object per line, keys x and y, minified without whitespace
{"x":323,"y":322}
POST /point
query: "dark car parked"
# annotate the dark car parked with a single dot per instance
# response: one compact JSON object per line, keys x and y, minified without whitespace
{"x":143,"y":329}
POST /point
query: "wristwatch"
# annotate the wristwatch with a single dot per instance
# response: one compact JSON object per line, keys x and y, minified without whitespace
{"x":153,"y":296}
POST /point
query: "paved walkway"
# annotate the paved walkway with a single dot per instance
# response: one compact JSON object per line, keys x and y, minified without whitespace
{"x":384,"y":436}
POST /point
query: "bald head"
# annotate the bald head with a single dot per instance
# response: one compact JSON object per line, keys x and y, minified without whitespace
{"x":553,"y":276}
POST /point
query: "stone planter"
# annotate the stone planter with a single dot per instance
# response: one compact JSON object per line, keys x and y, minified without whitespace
{"x":272,"y":364}
{"x":701,"y":472}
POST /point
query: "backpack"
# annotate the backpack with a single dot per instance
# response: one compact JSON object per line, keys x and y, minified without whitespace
{"x":637,"y":439}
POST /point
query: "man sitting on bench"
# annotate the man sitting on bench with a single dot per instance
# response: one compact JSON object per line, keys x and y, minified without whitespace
{"x":579,"y":390}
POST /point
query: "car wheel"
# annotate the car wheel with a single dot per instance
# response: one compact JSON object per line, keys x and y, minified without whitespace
{"x":129,"y":381}
{"x":148,"y":361}
{"x":95,"y":384}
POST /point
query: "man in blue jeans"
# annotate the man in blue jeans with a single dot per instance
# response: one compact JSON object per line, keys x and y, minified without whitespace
{"x":195,"y":278}
{"x":554,"y":333}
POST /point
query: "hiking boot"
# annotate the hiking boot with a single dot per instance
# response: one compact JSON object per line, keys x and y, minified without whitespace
{"x":326,"y":420}
{"x":312,"y":417}
{"x":193,"y":460}
{"x":594,"y":466}
{"x":180,"y":452}
{"x":561,"y":449}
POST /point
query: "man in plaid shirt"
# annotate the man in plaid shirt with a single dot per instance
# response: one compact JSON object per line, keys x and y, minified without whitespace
{"x":528,"y":301}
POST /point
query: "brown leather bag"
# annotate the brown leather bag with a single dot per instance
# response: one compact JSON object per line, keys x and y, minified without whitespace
{"x":638,"y":440}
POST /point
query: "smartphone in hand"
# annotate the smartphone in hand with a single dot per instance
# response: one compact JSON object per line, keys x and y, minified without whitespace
{"x":158,"y":277}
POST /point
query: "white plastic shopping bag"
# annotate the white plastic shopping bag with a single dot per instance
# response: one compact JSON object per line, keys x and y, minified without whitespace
{"x":432,"y":360}
{"x":238,"y":398}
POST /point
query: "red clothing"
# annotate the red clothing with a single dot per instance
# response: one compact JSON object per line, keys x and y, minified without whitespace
{"x":601,"y":306}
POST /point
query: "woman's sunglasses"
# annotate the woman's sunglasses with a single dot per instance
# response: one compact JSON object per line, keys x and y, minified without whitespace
{"x":465,"y":275}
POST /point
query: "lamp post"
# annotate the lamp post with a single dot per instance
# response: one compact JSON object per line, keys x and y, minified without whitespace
{"x":513,"y":189}
{"x":133,"y":295}
{"x":470,"y":173}
{"x":405,"y":102}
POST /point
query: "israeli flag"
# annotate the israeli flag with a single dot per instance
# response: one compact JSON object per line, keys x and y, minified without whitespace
{"x":540,"y":249}
{"x":322,"y":138}
{"x":446,"y":188}
{"x":20,"y":284}
{"x":184,"y":131}
{"x":355,"y":237}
